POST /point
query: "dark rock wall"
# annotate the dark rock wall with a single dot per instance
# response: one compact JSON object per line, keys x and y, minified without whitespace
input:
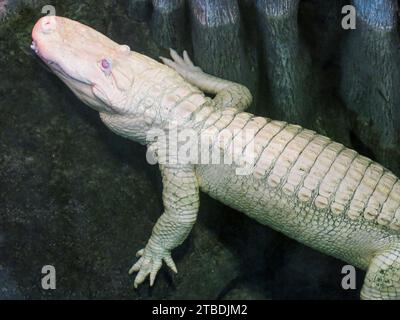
{"x":78,"y":197}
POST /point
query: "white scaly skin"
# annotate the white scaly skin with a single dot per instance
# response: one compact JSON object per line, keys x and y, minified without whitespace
{"x":303,"y":184}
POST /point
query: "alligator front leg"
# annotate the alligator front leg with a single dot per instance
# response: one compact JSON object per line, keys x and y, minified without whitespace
{"x":227,"y":93}
{"x":181,"y":204}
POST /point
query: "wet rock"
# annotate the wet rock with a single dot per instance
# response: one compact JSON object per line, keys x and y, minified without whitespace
{"x":371,"y":78}
{"x":246,"y":292}
{"x":168,"y":23}
{"x":287,"y":62}
{"x":219,"y":42}
{"x":140,"y":10}
{"x":8,"y":289}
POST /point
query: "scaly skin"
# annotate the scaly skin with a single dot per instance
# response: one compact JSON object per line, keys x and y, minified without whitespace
{"x":303,"y":184}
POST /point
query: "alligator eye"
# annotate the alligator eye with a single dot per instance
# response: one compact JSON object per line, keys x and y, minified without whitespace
{"x":106,"y":65}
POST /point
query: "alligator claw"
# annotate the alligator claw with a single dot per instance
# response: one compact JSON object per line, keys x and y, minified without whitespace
{"x":187,"y":60}
{"x":183,"y":65}
{"x":149,"y":264}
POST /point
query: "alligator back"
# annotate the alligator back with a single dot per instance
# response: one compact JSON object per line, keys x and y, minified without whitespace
{"x":310,"y":188}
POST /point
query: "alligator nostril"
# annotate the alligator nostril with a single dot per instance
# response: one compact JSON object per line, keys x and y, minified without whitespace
{"x":48,"y":24}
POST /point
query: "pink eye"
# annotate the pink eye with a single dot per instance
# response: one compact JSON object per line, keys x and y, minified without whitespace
{"x":105,"y":64}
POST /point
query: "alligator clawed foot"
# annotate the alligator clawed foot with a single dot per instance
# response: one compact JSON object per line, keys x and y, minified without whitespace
{"x":149,"y":263}
{"x":183,"y":65}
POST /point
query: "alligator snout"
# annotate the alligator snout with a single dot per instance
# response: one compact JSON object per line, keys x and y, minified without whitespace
{"x":47,"y":24}
{"x":43,"y":34}
{"x":44,"y":27}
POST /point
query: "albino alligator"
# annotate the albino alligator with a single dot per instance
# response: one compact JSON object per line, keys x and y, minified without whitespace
{"x":303,"y":184}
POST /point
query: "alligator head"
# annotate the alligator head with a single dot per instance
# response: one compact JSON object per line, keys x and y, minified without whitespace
{"x":133,"y":93}
{"x":93,"y":66}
